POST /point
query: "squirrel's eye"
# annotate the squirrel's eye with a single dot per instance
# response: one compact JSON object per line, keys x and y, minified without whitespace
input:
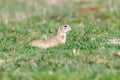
{"x":65,"y":26}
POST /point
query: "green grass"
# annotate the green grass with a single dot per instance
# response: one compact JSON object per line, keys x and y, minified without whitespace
{"x":85,"y":56}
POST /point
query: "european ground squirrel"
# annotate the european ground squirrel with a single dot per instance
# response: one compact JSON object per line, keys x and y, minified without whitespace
{"x":57,"y":39}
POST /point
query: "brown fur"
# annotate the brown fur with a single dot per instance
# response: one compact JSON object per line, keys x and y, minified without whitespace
{"x":57,"y":39}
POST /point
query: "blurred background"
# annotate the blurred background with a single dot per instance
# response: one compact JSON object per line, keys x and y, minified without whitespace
{"x":15,"y":10}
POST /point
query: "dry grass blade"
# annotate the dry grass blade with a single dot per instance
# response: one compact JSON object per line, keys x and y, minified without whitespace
{"x":90,"y":10}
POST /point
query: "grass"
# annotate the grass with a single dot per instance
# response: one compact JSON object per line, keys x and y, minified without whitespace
{"x":85,"y":56}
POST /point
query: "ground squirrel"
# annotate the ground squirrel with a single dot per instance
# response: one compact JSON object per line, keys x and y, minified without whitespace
{"x":58,"y":38}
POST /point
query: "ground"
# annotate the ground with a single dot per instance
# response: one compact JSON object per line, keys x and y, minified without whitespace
{"x":88,"y":53}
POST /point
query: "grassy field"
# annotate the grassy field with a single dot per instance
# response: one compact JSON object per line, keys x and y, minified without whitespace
{"x":87,"y":54}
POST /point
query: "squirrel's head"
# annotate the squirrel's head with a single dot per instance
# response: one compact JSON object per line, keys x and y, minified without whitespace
{"x":64,"y":29}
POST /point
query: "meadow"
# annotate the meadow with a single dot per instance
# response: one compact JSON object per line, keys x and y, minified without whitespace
{"x":87,"y":54}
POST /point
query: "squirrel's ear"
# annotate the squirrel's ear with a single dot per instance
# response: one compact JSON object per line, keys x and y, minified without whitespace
{"x":60,"y":27}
